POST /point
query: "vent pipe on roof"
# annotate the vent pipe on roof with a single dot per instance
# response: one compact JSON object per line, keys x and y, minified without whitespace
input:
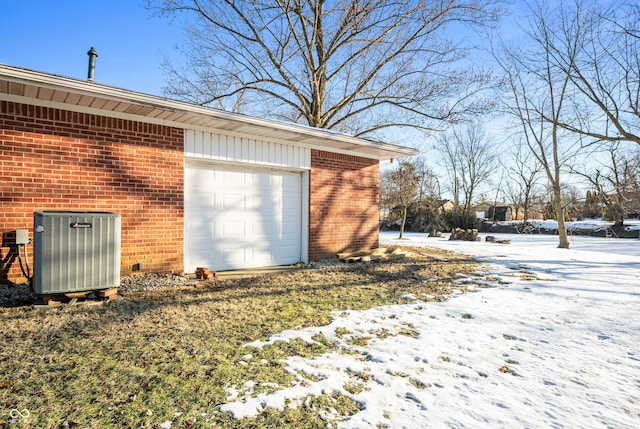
{"x":92,"y":63}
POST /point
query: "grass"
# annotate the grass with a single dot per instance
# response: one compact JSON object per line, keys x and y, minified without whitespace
{"x":170,"y":355}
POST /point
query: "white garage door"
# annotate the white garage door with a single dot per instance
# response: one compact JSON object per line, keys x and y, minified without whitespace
{"x":241,"y":217}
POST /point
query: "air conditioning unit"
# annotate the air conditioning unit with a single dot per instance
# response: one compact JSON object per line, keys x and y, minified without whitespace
{"x":75,"y":251}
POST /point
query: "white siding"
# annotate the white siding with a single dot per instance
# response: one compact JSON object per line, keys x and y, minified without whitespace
{"x":230,"y":148}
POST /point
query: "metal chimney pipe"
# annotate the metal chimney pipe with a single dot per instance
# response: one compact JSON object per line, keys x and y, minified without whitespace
{"x":92,"y":63}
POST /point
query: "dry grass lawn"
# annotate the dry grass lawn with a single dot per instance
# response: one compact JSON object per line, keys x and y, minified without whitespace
{"x":168,"y":355}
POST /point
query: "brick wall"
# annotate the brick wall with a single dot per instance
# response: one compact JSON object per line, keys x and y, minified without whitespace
{"x":344,"y":204}
{"x":52,"y":159}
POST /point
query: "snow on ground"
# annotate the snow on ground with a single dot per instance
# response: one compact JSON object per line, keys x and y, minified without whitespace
{"x":592,"y":224}
{"x":586,"y":224}
{"x":553,"y":343}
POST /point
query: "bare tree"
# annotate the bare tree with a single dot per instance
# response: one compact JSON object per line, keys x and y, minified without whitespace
{"x":604,"y":68}
{"x":427,"y":180}
{"x":540,"y":90}
{"x":357,"y":66}
{"x":412,"y":188}
{"x":615,"y":183}
{"x":400,"y":187}
{"x":524,"y":175}
{"x":448,"y":150}
{"x":570,"y":206}
{"x":427,"y":215}
{"x":470,"y":159}
{"x":514,"y":196}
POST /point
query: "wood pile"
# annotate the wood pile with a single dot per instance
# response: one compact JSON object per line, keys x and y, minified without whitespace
{"x":464,"y":234}
{"x":380,"y":254}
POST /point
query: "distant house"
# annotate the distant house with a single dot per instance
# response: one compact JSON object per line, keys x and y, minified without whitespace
{"x":493,"y":211}
{"x":446,"y":206}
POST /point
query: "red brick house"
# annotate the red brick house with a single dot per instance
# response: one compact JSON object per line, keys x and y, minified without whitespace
{"x":194,"y":186}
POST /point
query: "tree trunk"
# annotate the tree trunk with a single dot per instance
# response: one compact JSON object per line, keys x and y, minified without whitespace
{"x":404,"y":220}
{"x":559,"y":209}
{"x":527,"y":204}
{"x":619,"y":211}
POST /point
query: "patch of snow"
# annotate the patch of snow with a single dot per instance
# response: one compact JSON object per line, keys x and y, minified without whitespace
{"x":553,"y":343}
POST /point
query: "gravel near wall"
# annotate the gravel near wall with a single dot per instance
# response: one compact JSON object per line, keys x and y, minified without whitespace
{"x":21,"y":294}
{"x":154,"y":281}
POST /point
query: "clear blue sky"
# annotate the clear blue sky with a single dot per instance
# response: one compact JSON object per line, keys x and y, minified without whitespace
{"x":53,"y":36}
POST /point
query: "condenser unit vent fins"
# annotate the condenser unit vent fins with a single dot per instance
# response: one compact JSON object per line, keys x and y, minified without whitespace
{"x":75,"y":251}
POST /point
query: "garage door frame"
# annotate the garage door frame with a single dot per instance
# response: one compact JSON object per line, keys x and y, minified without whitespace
{"x":304,"y":203}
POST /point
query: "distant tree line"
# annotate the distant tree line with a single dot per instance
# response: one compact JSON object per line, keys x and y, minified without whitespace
{"x":415,"y":198}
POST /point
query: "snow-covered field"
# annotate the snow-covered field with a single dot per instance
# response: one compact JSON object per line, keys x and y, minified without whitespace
{"x":554,"y":342}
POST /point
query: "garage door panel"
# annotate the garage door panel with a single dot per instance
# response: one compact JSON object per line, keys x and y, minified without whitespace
{"x":265,"y":183}
{"x":200,"y":201}
{"x":201,"y":233}
{"x":288,"y":251}
{"x":202,"y":227}
{"x":288,"y":234}
{"x":232,"y":201}
{"x":199,"y":257}
{"x":290,"y":203}
{"x":262,"y":256}
{"x":233,"y":229}
{"x":263,"y":229}
{"x":291,"y":182}
{"x":199,"y":177}
{"x":241,"y":218}
{"x":291,"y":222}
{"x":230,"y":178}
{"x":233,"y":256}
{"x":257,"y":202}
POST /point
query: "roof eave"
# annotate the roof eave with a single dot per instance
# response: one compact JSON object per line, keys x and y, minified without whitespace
{"x":18,"y":84}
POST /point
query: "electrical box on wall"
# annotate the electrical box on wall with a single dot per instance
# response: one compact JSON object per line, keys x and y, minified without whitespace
{"x":75,"y":251}
{"x":17,"y":237}
{"x":22,"y":236}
